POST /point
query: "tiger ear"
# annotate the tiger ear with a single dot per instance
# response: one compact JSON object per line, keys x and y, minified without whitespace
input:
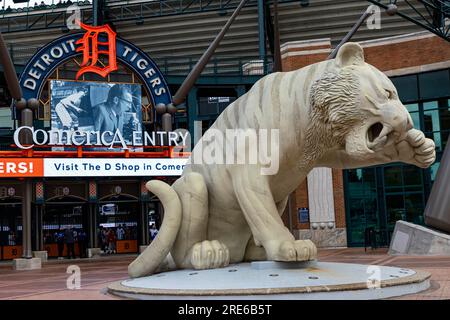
{"x":351,"y":53}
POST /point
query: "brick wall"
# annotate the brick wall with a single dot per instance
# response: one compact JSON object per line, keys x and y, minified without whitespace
{"x":298,"y":54}
{"x":339,"y":200}
{"x":301,"y":201}
{"x":405,"y":52}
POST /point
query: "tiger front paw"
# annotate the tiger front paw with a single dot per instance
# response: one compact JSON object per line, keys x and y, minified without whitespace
{"x":416,"y":149}
{"x":291,"y":250}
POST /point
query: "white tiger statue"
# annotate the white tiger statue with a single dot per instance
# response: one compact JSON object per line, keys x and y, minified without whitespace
{"x":339,"y":113}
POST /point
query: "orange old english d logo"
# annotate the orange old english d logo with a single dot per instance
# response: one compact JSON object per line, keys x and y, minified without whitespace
{"x":92,"y":48}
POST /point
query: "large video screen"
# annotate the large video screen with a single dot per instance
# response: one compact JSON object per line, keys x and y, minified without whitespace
{"x":96,"y":106}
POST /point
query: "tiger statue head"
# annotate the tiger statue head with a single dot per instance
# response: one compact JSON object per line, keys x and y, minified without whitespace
{"x":366,"y":124}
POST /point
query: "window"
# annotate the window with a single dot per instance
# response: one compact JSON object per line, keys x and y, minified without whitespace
{"x":434,"y":169}
{"x":393,"y":178}
{"x":436,"y":117}
{"x":433,"y":85}
{"x":5,"y":118}
{"x":407,"y":87}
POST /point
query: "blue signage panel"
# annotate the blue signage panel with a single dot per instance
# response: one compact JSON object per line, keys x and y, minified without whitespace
{"x":303,"y":215}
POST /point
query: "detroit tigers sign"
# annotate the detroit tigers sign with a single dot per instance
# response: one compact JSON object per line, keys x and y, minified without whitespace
{"x":90,"y":45}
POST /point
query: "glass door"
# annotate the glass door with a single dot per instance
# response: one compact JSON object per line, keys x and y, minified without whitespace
{"x":362,"y":204}
{"x":58,"y":220}
{"x":403,"y":194}
{"x":11,"y":230}
{"x":117,"y":228}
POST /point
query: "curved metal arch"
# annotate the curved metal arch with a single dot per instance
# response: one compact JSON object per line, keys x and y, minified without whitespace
{"x":109,"y":196}
{"x":13,"y":198}
{"x":69,"y":198}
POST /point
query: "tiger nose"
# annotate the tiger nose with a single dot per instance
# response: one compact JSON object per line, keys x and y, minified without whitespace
{"x":401,"y":122}
{"x":409,"y":123}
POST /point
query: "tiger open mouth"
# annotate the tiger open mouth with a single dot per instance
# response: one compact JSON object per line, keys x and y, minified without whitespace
{"x":377,"y":135}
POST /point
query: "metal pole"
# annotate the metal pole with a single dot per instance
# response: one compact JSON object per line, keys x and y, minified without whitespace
{"x":144,"y":225}
{"x":276,"y":40}
{"x":27,"y":120}
{"x":189,"y":82}
{"x":9,"y":71}
{"x":94,"y":241}
{"x":39,"y":235}
{"x":26,"y":220}
{"x":262,"y":35}
{"x":95,"y":12}
{"x":90,"y":227}
{"x":350,"y":34}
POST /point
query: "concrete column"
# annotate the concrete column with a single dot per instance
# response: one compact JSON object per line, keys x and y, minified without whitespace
{"x":320,"y":198}
{"x":323,"y":231}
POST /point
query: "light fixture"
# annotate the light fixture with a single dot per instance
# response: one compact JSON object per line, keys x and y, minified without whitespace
{"x":391,"y":8}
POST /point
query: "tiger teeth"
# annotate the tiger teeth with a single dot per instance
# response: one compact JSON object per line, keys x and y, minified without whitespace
{"x":386,"y":130}
{"x":382,"y":139}
{"x":379,"y":141}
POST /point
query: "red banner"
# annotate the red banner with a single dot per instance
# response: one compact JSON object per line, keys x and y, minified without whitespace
{"x":17,"y":167}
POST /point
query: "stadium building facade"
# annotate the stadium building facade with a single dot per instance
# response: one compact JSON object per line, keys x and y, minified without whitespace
{"x":333,"y":207}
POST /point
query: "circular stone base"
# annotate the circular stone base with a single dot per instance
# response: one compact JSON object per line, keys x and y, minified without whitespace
{"x":277,"y":280}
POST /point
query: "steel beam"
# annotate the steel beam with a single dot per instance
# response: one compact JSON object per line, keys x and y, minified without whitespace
{"x":427,"y":22}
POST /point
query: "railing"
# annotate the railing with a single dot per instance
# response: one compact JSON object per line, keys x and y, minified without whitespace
{"x":20,"y":55}
{"x":28,"y":7}
{"x":218,"y":66}
{"x":12,"y":151}
{"x":41,"y":16}
{"x":7,"y":147}
{"x":180,"y":66}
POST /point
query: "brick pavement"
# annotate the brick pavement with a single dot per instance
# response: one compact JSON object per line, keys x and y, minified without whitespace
{"x":49,"y":283}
